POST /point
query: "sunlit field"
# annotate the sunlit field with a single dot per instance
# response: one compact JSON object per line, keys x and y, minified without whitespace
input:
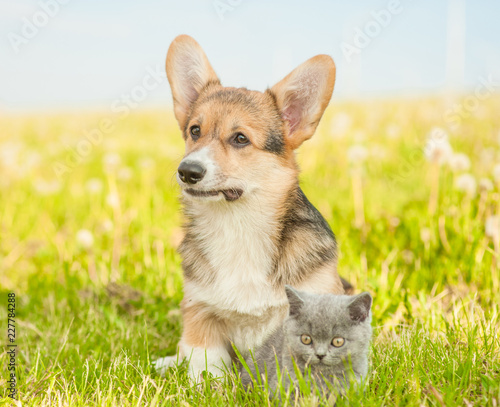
{"x":89,"y":230}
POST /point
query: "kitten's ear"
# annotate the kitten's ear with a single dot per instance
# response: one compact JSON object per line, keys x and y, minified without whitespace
{"x":188,"y":72}
{"x":294,"y":300}
{"x":359,"y":307}
{"x":302,"y":97}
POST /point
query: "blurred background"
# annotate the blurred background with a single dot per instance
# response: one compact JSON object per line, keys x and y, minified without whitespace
{"x":404,"y":165}
{"x":69,"y":54}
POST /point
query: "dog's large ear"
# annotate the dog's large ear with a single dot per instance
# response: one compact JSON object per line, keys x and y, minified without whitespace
{"x":303,"y":96}
{"x":188,"y":72}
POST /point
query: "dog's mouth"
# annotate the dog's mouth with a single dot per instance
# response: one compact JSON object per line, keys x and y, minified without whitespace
{"x":229,"y":194}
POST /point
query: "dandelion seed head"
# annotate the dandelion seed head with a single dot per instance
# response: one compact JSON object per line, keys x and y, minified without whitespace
{"x":146,"y":163}
{"x":466,"y":183}
{"x":107,"y":225}
{"x":408,"y":256}
{"x":496,"y":172}
{"x":45,"y":188}
{"x":425,"y":235}
{"x":113,"y":200}
{"x":394,"y":221}
{"x":111,"y":161}
{"x":125,"y":173}
{"x":340,"y":124}
{"x":393,"y":131}
{"x":84,"y":238}
{"x":438,"y":149}
{"x":487,"y":156}
{"x":485,"y":184}
{"x":492,"y":226}
{"x":459,"y":162}
{"x":357,"y":154}
{"x":94,"y":185}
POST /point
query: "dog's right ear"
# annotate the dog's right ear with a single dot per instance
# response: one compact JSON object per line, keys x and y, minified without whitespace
{"x":188,"y":72}
{"x":302,"y":97}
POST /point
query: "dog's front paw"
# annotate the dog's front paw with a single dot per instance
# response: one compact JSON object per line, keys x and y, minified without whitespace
{"x":163,"y":364}
{"x":196,"y":372}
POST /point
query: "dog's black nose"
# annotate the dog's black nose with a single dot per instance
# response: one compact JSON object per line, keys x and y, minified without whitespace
{"x":191,"y":173}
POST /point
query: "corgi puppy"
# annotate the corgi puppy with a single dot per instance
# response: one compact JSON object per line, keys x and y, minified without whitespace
{"x":249,"y":227}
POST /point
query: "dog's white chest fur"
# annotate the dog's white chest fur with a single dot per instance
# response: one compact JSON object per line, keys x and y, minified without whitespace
{"x":237,"y":241}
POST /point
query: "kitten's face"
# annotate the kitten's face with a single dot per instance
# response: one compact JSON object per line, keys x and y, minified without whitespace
{"x":323,"y":330}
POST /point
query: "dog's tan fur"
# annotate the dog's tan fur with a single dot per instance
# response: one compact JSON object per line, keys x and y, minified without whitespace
{"x":239,"y":252}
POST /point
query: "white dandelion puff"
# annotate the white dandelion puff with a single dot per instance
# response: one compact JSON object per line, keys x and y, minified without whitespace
{"x":84,"y":238}
{"x":466,"y":183}
{"x":438,"y":149}
{"x":357,"y":154}
{"x":425,"y":235}
{"x":393,"y":131}
{"x":46,"y":188}
{"x":459,"y":162}
{"x":111,"y":161}
{"x":146,"y":163}
{"x":394,"y":221}
{"x":340,"y":124}
{"x":408,"y":256}
{"x":9,"y":154}
{"x":94,"y":185}
{"x":113,"y":200}
{"x":107,"y":225}
{"x":485,"y":184}
{"x":496,"y":172}
{"x":492,"y":227}
{"x":487,"y":156}
{"x":125,"y":173}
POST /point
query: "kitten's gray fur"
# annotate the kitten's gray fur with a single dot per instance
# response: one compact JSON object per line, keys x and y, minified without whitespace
{"x":322,"y":317}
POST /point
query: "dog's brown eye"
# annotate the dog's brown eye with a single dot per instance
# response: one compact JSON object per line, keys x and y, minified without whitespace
{"x":241,"y":139}
{"x":306,"y":339}
{"x":338,"y":342}
{"x":195,"y":132}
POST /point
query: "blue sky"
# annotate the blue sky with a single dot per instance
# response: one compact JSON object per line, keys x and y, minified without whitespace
{"x":89,"y":53}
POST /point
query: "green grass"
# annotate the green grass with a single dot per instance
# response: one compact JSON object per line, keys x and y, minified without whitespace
{"x":91,"y":319}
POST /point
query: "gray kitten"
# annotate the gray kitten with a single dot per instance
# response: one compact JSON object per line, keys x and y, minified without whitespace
{"x":326,"y":335}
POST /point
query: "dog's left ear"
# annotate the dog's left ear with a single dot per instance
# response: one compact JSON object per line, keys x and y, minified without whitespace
{"x":303,"y":96}
{"x":188,"y":72}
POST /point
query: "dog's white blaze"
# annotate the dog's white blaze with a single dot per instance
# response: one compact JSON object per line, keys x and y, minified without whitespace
{"x":203,"y":157}
{"x":236,"y":238}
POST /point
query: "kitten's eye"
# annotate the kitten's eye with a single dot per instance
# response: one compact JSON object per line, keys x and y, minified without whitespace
{"x":306,"y":339}
{"x":338,"y":342}
{"x":195,"y":132}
